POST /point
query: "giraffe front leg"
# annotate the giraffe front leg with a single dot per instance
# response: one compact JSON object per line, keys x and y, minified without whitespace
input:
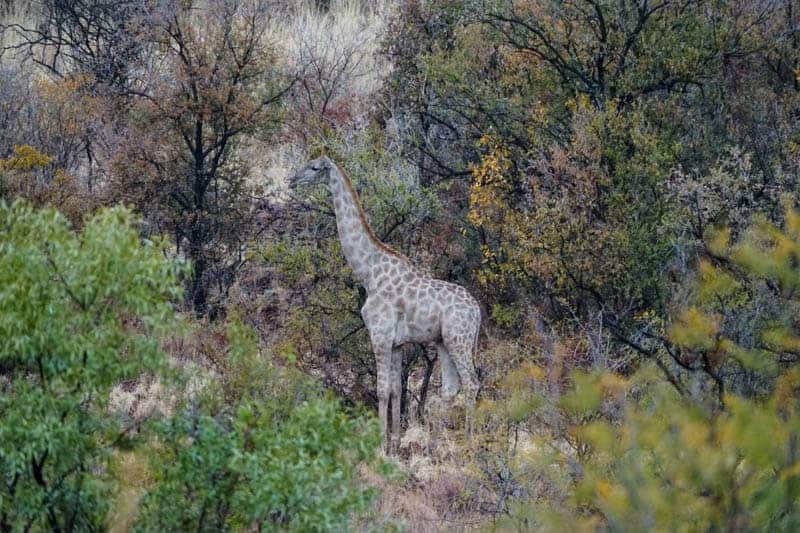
{"x":384,"y":395}
{"x":381,"y":333}
{"x":396,"y":387}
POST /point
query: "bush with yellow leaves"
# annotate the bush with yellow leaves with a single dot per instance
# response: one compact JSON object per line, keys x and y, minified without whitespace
{"x":34,"y":176}
{"x":642,"y":452}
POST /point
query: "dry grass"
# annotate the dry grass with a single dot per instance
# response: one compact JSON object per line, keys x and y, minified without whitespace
{"x":343,"y":41}
{"x":433,"y":494}
{"x":132,"y":471}
{"x":335,"y":55}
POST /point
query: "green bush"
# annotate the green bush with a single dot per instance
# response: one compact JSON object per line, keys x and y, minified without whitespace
{"x":277,"y":452}
{"x":78,"y":313}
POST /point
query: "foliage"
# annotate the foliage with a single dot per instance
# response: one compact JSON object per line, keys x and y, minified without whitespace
{"x":82,"y":312}
{"x":51,"y":116}
{"x":670,"y":464}
{"x":184,"y":162}
{"x":651,"y":456}
{"x":742,"y":316}
{"x":28,"y":174}
{"x":572,"y":235}
{"x":274,"y":451}
{"x":611,"y":125}
{"x":79,"y":313}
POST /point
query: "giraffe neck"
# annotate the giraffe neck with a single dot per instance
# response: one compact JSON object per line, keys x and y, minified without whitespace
{"x":360,"y":245}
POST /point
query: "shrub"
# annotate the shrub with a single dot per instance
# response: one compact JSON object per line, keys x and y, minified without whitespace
{"x":647,"y":452}
{"x":264,"y":448}
{"x":78,"y":313}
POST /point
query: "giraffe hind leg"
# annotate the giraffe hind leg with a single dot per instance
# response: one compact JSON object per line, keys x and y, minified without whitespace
{"x":450,"y":381}
{"x":461,"y":345}
{"x":449,"y":389}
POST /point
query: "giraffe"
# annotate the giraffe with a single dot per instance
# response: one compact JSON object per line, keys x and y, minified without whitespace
{"x":403,"y":305}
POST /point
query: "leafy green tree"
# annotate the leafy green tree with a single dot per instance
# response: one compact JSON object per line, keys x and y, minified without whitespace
{"x":264,"y":449}
{"x":78,"y":314}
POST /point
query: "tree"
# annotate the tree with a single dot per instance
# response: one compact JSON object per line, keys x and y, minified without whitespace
{"x":714,"y":444}
{"x":183,"y":162}
{"x":78,"y":313}
{"x":601,"y":111}
{"x":263,"y":449}
{"x":81,"y":312}
{"x":93,"y":38}
{"x":175,"y":88}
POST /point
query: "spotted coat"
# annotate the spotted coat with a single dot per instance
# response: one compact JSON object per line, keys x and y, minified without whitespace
{"x":403,"y":305}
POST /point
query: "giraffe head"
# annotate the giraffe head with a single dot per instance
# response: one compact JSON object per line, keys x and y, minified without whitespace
{"x":317,"y":171}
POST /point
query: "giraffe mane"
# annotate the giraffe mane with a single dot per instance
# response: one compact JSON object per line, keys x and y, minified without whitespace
{"x":363,"y":216}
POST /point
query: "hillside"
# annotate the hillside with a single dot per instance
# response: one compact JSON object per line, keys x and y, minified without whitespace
{"x":421,"y":265}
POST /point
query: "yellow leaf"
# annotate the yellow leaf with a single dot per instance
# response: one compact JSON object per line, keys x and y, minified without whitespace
{"x":695,"y":434}
{"x":792,"y":471}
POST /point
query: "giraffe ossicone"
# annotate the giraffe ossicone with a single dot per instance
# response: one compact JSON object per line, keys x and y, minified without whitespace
{"x":403,"y":305}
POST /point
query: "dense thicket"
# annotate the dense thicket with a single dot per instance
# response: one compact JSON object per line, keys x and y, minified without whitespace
{"x":615,"y":180}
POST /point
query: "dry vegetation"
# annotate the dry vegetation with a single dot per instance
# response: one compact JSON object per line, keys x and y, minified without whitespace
{"x":616,"y":181}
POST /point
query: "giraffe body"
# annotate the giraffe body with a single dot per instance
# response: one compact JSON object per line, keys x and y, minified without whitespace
{"x":403,"y":305}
